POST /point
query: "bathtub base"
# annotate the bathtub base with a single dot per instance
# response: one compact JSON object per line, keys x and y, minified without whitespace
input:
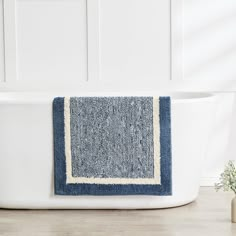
{"x":111,"y":203}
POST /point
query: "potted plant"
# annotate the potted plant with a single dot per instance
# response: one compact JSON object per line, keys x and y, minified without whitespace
{"x":227,"y":182}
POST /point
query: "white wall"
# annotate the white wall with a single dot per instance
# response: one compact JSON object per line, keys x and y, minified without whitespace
{"x":203,"y":44}
{"x":1,"y":44}
{"x":209,"y":40}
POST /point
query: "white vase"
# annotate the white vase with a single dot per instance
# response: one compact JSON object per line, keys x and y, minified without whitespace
{"x":233,"y":210}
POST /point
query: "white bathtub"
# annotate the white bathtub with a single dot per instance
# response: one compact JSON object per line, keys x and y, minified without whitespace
{"x":26,"y":154}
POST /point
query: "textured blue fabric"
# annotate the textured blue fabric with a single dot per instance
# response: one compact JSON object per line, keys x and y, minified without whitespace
{"x":112,"y":137}
{"x":61,"y":188}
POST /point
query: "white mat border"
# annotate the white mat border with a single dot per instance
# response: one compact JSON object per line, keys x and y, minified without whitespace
{"x":83,"y":180}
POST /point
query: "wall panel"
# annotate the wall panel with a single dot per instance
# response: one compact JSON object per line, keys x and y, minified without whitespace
{"x":2,"y":73}
{"x":46,"y":42}
{"x":133,"y":41}
{"x":209,"y":39}
{"x":51,"y":40}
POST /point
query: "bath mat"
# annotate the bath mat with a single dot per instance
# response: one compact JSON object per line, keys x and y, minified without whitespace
{"x":112,"y":146}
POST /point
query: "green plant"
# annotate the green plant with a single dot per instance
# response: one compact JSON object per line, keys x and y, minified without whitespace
{"x":227,"y":181}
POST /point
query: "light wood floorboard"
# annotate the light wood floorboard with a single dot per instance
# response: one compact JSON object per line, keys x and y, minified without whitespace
{"x":209,"y":215}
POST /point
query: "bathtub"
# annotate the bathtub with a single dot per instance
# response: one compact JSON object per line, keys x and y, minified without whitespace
{"x":26,"y":154}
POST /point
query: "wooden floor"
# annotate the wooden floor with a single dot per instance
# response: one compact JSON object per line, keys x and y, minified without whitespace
{"x":209,"y":215}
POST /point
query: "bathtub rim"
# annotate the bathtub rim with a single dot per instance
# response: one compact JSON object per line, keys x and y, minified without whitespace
{"x":47,"y":97}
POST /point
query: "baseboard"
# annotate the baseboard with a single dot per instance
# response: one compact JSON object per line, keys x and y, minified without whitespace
{"x":208,"y":181}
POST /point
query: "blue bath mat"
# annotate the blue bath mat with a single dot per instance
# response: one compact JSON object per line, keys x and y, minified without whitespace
{"x":112,"y":146}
